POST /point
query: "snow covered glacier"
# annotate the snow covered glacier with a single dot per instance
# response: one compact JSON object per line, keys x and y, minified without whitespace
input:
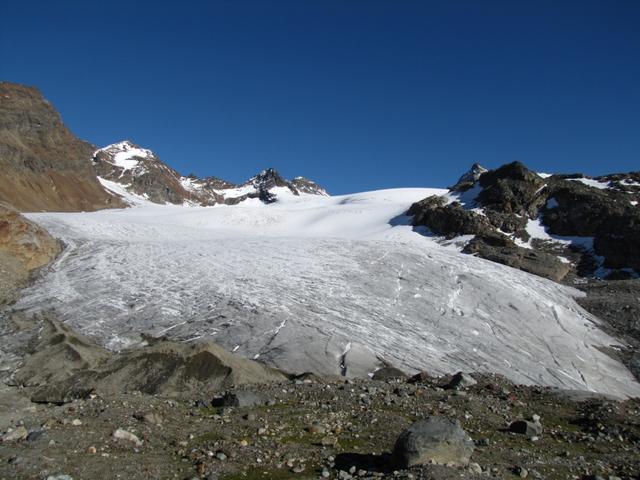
{"x":336,"y":285}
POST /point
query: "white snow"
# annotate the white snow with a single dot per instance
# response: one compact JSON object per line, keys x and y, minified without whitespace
{"x":125,"y":155}
{"x":121,"y":190}
{"x":297,"y":281}
{"x":591,"y":183}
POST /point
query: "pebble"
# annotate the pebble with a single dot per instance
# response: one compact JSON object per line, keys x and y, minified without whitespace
{"x":76,"y":422}
{"x":16,"y":435}
{"x":121,"y":434}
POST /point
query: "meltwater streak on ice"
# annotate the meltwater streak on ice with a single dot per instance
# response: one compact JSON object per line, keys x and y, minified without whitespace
{"x":295,"y":282}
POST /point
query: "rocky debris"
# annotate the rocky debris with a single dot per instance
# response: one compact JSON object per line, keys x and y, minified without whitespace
{"x":66,"y":366}
{"x":58,"y":354}
{"x":461,"y":381}
{"x":43,"y":166}
{"x":24,"y":247}
{"x":241,"y":399}
{"x":388,"y":373}
{"x":525,"y":427}
{"x":500,"y":249}
{"x":273,"y":440}
{"x":437,"y":440}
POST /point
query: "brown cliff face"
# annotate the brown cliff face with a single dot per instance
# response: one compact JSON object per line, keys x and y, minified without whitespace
{"x":24,"y":247}
{"x":43,"y":166}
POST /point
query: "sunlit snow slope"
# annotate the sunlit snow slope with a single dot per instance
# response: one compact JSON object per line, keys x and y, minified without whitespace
{"x":327,"y":284}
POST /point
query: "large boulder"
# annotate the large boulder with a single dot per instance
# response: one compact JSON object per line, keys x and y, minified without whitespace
{"x":437,"y":440}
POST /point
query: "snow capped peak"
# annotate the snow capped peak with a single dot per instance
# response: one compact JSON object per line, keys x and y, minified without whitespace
{"x":469,"y":178}
{"x":124,"y":155}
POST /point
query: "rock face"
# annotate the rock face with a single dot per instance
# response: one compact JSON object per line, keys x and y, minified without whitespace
{"x":436,"y":440}
{"x":43,"y":166}
{"x":66,"y":365}
{"x":503,"y":208}
{"x":24,"y":247}
{"x":140,"y":172}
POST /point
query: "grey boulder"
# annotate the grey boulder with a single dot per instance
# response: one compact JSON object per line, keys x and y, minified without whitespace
{"x":438,"y":440}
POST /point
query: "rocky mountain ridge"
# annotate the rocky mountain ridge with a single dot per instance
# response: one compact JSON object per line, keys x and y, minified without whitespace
{"x":44,"y":167}
{"x":549,"y":225}
{"x":141,"y":172}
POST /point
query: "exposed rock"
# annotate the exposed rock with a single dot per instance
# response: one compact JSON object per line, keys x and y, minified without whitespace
{"x":449,"y":220}
{"x":500,"y":249}
{"x":437,"y":440}
{"x":468,"y":179}
{"x":526,"y":427}
{"x":388,"y":373}
{"x":242,"y":398}
{"x":24,"y":247}
{"x":460,"y":381}
{"x":43,"y":166}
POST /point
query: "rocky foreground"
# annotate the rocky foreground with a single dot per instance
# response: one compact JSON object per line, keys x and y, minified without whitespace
{"x":204,"y":416}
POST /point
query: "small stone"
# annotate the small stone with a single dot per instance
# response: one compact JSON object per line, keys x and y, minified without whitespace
{"x":243,"y":443}
{"x":35,"y":435}
{"x":475,"y":468}
{"x":262,"y":431}
{"x":521,"y":472}
{"x":315,"y":428}
{"x":250,"y":416}
{"x":221,"y":456}
{"x":152,"y":418}
{"x":121,"y":434}
{"x":91,"y":450}
{"x":325,"y":472}
{"x":298,"y":469}
{"x":16,"y":435}
{"x":329,"y":441}
{"x":461,"y":380}
{"x":76,"y":422}
{"x":525,"y":427}
{"x":60,"y":476}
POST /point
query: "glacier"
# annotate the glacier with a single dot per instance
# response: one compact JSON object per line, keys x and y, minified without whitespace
{"x":334,"y":285}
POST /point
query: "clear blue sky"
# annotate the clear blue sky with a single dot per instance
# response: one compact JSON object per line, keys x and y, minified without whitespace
{"x":357,"y":95}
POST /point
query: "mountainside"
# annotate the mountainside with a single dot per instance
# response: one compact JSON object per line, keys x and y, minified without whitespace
{"x":24,"y":247}
{"x":332,"y":285}
{"x":139,"y":176}
{"x":43,"y":166}
{"x":549,"y":225}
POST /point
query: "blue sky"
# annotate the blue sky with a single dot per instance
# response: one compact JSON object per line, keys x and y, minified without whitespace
{"x":357,"y":95}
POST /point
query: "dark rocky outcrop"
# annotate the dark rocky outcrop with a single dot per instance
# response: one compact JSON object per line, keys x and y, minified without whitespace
{"x":449,"y":220}
{"x":43,"y":166}
{"x":603,"y":209}
{"x":500,"y":249}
